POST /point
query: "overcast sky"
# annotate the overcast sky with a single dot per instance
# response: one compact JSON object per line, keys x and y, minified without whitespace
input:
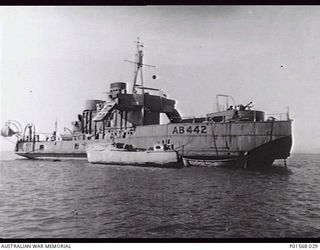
{"x":54,"y":58}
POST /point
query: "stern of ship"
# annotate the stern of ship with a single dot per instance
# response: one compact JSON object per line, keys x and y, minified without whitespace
{"x":267,"y":153}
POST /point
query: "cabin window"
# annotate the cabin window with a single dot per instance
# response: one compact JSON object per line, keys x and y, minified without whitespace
{"x":41,"y":147}
{"x":217,"y":119}
{"x":76,"y":146}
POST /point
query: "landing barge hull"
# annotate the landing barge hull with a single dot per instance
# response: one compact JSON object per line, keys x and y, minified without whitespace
{"x":210,"y":141}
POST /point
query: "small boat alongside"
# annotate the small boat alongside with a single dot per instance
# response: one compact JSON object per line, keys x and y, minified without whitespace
{"x":226,"y":162}
{"x":160,"y":155}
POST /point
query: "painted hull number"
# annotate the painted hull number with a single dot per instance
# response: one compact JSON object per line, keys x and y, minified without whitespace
{"x":190,"y":130}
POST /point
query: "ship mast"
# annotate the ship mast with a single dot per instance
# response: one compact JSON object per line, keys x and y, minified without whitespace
{"x":138,"y":66}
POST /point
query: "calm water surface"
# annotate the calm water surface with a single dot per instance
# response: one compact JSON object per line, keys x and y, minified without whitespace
{"x":75,"y":199}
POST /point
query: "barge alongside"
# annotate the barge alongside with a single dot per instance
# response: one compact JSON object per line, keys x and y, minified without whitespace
{"x":233,"y":131}
{"x":125,"y":154}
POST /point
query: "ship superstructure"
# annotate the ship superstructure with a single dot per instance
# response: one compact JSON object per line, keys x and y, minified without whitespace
{"x":134,"y":118}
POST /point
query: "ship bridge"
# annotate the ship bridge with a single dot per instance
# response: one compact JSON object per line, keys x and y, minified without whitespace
{"x":123,"y":110}
{"x":138,"y":109}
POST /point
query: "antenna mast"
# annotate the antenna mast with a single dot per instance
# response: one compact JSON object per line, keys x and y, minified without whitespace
{"x":138,"y":66}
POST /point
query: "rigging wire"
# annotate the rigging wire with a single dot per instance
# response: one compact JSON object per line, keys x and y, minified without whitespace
{"x":9,"y":140}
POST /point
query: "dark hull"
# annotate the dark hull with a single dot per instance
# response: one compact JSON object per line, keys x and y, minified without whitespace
{"x":265,"y":155}
{"x":260,"y":157}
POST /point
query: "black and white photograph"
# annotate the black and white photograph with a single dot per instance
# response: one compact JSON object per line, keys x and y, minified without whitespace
{"x":158,"y":122}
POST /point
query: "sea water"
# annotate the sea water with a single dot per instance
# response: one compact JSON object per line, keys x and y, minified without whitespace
{"x":76,"y":199}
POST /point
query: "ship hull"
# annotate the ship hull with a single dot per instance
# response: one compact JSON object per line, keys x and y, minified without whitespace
{"x":265,"y":154}
{"x":53,"y":156}
{"x":259,"y":157}
{"x":262,"y":141}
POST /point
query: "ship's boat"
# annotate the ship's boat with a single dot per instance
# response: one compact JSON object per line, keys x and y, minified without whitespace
{"x":126,"y":154}
{"x":232,"y":131}
{"x":225,"y":162}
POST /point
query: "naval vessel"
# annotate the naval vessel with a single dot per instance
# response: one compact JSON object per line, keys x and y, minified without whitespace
{"x":133,"y":117}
